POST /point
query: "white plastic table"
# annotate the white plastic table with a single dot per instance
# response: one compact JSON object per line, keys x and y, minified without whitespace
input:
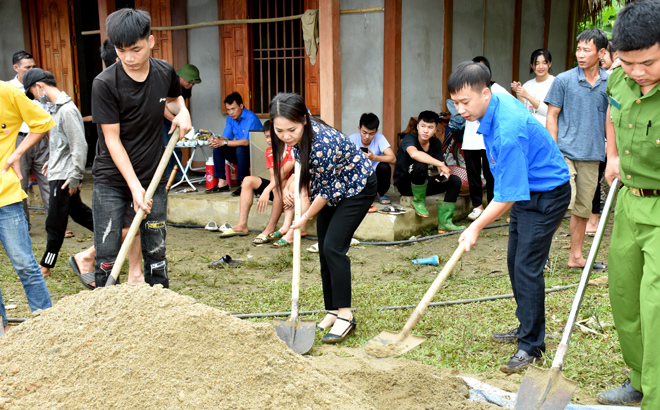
{"x":194,"y":144}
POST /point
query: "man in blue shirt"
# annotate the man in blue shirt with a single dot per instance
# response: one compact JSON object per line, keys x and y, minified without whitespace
{"x":531,"y":179}
{"x":577,"y":102}
{"x":234,"y":145}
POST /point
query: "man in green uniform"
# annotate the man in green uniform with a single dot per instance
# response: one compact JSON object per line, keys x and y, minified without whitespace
{"x":634,"y":157}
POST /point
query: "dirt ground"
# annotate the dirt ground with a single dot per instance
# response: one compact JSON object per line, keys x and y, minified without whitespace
{"x":382,"y":383}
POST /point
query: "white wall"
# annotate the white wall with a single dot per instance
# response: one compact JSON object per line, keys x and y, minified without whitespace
{"x":204,"y":52}
{"x":11,"y":41}
{"x":421,"y":57}
{"x":361,"y":63}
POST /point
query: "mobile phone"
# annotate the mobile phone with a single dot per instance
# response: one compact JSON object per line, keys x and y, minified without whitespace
{"x":442,"y":178}
{"x":364,"y":149}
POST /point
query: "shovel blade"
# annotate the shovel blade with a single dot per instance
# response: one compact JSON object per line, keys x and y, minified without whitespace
{"x":544,"y":389}
{"x":390,"y":344}
{"x":298,"y":335}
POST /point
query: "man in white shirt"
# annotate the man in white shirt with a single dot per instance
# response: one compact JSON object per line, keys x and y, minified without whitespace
{"x":378,"y":150}
{"x":36,"y":157}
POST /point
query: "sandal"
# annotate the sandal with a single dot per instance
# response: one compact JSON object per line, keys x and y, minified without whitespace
{"x":225,"y":226}
{"x":225,"y":261}
{"x":391,"y":210}
{"x":319,"y":328}
{"x":384,"y":200}
{"x":261,"y":239}
{"x":372,"y":209}
{"x":68,"y":234}
{"x":85,"y":278}
{"x":401,"y":210}
{"x":281,"y":243}
{"x":314,"y":248}
{"x":211,"y":226}
{"x":332,"y":338}
{"x":275,"y":235}
{"x":231,"y":232}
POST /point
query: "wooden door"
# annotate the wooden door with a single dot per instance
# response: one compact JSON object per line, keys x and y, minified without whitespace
{"x":160,"y":17}
{"x":53,"y":42}
{"x":234,"y":52}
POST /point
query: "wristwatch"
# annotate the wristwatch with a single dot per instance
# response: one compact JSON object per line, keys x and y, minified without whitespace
{"x":226,"y":142}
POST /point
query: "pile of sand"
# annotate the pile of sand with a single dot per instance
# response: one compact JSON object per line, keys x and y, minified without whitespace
{"x":137,"y":347}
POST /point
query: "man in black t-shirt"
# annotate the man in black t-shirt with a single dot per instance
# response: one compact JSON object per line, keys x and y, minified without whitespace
{"x":411,"y":174}
{"x":128,"y":101}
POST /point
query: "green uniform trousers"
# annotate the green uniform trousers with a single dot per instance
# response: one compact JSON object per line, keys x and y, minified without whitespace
{"x":634,"y":284}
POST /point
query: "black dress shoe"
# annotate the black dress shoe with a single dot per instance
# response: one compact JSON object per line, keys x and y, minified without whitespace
{"x":625,"y":395}
{"x":509,"y":337}
{"x":218,"y":189}
{"x":332,"y":338}
{"x":519,"y":362}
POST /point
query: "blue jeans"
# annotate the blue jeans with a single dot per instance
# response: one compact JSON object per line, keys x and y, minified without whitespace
{"x":108,"y":207}
{"x":16,"y":240}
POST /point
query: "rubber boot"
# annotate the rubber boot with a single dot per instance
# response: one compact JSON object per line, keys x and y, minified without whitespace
{"x":445,"y":216}
{"x":419,"y":199}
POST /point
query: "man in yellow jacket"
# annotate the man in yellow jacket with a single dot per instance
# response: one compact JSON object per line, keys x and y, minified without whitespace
{"x":16,"y":108}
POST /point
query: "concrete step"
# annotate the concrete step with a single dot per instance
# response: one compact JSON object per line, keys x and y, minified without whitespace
{"x":198,"y":208}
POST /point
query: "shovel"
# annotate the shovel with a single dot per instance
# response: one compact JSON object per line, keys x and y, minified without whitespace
{"x":139,"y":214}
{"x":297,"y":334}
{"x":549,"y":389}
{"x":389,"y":343}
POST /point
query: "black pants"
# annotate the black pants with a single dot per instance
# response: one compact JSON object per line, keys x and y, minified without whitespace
{"x":61,"y":206}
{"x":475,"y":162}
{"x":383,"y":174}
{"x":418,"y":173}
{"x":595,"y":204}
{"x":335,"y":226}
{"x":532,"y":226}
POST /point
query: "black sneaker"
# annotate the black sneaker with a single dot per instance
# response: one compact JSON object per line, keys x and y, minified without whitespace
{"x":509,"y":337}
{"x":625,"y":395}
{"x":519,"y":362}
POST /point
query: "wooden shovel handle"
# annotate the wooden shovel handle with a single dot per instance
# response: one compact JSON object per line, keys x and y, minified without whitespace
{"x":435,"y":287}
{"x":139,"y":213}
{"x":295,"y":281}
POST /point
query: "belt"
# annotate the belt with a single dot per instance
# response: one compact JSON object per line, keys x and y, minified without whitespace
{"x":645,"y":192}
{"x":22,"y":134}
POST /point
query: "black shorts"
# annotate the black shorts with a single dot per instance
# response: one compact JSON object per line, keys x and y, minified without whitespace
{"x":260,"y":190}
{"x":129,"y":215}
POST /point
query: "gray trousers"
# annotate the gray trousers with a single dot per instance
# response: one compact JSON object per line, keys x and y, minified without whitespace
{"x":32,"y":161}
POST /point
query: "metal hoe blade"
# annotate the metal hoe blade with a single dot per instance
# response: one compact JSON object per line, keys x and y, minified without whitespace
{"x":544,"y":389}
{"x":298,"y":335}
{"x":389,"y":344}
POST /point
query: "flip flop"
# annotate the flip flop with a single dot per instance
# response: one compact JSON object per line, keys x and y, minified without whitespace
{"x":384,"y":200}
{"x":85,"y":278}
{"x":392,"y":210}
{"x":225,"y":261}
{"x":261,"y":239}
{"x":225,"y":226}
{"x":372,"y":209}
{"x":399,"y":209}
{"x":275,"y":235}
{"x":589,"y":233}
{"x":314,"y":248}
{"x":68,"y":234}
{"x":231,"y":232}
{"x":211,"y":226}
{"x":281,"y":243}
{"x":598,"y":266}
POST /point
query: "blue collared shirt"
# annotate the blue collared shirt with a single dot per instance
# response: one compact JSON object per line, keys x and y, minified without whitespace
{"x":240,"y":129}
{"x":522,"y":155}
{"x":581,"y":122}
